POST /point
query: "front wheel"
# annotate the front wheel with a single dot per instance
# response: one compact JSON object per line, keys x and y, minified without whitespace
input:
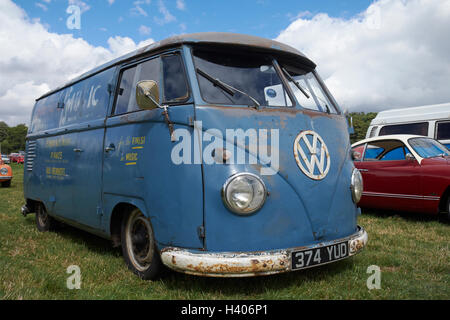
{"x":138,"y":246}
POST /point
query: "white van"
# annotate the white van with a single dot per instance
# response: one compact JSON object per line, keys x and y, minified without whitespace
{"x":432,"y":121}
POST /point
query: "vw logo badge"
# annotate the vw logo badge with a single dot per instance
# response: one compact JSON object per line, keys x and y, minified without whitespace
{"x":311,"y":155}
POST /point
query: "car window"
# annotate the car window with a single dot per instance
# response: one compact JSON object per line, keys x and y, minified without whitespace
{"x":372,"y":152}
{"x":443,"y":131}
{"x":126,"y":93}
{"x":420,"y":128}
{"x":174,"y":78}
{"x":385,"y":150}
{"x":395,"y":154}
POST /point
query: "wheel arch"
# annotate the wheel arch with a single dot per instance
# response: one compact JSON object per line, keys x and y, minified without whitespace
{"x":444,"y":199}
{"x":115,"y":219}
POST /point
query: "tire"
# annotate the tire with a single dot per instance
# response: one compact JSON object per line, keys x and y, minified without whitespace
{"x":139,"y":247}
{"x":6,"y":184}
{"x":44,"y":222}
{"x":447,"y":213}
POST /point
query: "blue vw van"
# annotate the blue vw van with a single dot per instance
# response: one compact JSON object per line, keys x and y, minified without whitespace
{"x":213,"y":154}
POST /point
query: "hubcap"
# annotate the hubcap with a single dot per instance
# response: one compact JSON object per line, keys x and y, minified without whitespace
{"x":139,"y":241}
{"x":42,"y":216}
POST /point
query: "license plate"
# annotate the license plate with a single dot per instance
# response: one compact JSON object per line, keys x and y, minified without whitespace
{"x":312,"y":257}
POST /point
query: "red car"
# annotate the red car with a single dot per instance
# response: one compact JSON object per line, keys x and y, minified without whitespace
{"x":20,"y":159}
{"x":405,"y":173}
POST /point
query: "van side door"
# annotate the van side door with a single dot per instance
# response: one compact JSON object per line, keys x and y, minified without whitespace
{"x":138,"y":166}
{"x":85,"y":109}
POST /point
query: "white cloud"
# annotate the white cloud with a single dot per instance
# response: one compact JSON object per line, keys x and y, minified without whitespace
{"x":111,"y":2}
{"x":42,"y":6}
{"x":181,"y":5}
{"x":137,"y":10}
{"x":144,"y":30}
{"x":167,"y":17}
{"x":394,"y":54}
{"x":34,"y":60}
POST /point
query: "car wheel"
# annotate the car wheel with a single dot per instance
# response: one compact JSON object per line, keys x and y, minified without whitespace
{"x":448,"y":209}
{"x":44,"y":222}
{"x":6,"y":184}
{"x":138,"y":246}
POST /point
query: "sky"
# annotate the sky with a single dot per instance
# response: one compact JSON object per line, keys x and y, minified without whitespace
{"x":373,"y":55}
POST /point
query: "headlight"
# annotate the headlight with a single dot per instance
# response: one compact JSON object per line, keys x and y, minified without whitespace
{"x":356,"y":185}
{"x":244,"y":193}
{"x":3,"y":171}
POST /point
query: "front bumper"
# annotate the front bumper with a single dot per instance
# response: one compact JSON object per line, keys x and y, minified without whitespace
{"x":5,"y":178}
{"x":247,"y":264}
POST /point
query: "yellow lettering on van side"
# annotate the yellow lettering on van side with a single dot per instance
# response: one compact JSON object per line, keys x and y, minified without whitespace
{"x":131,"y":157}
{"x":62,"y":142}
{"x":56,"y":155}
{"x":51,"y":171}
{"x":138,"y":140}
{"x":59,"y":171}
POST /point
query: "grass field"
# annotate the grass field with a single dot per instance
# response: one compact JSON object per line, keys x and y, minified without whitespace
{"x":411,"y":250}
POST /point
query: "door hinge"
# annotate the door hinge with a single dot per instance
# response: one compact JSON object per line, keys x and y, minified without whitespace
{"x":201,"y":232}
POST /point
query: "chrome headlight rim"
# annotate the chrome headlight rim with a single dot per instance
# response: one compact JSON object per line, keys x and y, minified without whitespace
{"x":230,"y":206}
{"x":356,"y":175}
{"x":3,"y":171}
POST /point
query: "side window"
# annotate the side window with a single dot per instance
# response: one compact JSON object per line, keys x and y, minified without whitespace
{"x":88,"y":99}
{"x":420,"y":129}
{"x":372,"y":152}
{"x":395,"y":154}
{"x":46,"y":113}
{"x":372,"y":132}
{"x":443,"y":131}
{"x":126,"y":92}
{"x":174,"y":77}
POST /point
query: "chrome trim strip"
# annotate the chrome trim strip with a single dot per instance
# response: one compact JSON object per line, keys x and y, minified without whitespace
{"x":401,"y":196}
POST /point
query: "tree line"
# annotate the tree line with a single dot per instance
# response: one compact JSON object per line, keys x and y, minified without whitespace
{"x":12,"y":139}
{"x":361,"y":122}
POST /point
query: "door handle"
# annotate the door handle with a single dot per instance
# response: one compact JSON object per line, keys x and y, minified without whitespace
{"x":363,"y":170}
{"x":110,"y":148}
{"x":77,"y":150}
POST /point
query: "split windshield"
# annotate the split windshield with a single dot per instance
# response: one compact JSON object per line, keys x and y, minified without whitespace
{"x":253,"y":80}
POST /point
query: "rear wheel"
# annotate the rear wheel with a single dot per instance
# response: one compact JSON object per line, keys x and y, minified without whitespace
{"x":6,"y":184}
{"x":138,"y":246}
{"x":44,"y":222}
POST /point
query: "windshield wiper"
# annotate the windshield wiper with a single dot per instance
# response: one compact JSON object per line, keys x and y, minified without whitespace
{"x":226,"y":87}
{"x":290,"y":78}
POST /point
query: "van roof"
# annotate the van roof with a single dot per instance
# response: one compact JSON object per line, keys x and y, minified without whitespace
{"x":217,"y":38}
{"x":414,"y":114}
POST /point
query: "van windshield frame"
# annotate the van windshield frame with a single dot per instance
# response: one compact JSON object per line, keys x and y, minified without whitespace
{"x":231,"y":68}
{"x":282,"y":88}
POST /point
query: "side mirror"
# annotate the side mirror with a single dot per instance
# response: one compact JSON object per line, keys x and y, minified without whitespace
{"x":147,"y":94}
{"x":410,"y":157}
{"x":356,"y":156}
